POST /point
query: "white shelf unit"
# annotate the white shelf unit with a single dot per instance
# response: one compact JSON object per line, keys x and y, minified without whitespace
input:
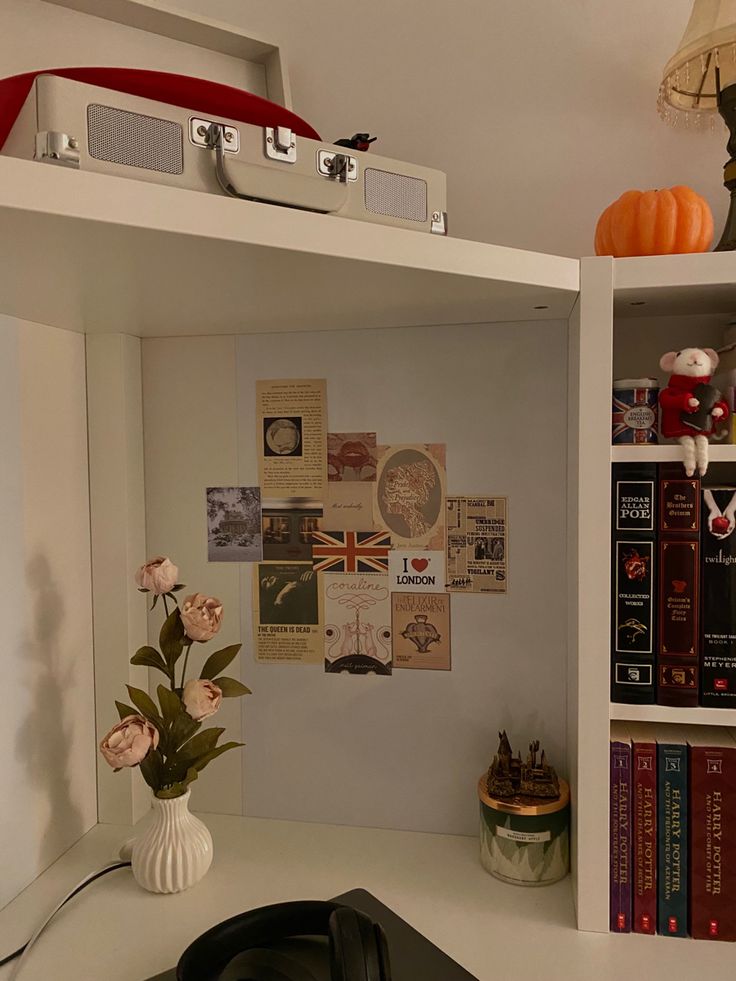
{"x":130,"y":257}
{"x":667,"y":713}
{"x":668,"y":453}
{"x":675,"y":285}
{"x":122,"y":260}
{"x":632,"y":310}
{"x":122,"y":257}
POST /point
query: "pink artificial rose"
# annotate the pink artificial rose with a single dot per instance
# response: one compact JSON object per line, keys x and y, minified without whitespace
{"x":201,"y":616}
{"x":157,"y":576}
{"x":201,"y":698}
{"x":128,"y":743}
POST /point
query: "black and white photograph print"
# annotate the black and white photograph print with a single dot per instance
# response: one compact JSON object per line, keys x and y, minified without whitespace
{"x":282,"y":436}
{"x":234,"y":524}
{"x":287,"y":593}
{"x":487,"y":548}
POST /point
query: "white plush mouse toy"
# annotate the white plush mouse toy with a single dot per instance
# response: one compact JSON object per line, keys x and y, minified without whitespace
{"x":690,"y":404}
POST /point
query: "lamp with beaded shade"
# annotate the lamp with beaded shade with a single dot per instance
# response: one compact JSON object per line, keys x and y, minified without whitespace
{"x":700,"y":79}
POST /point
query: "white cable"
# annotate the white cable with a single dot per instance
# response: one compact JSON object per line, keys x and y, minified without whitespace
{"x":72,"y":892}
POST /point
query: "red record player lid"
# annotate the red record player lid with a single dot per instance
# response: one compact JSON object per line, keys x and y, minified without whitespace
{"x":196,"y":94}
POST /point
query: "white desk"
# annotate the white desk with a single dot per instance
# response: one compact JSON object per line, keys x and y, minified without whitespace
{"x":114,"y":931}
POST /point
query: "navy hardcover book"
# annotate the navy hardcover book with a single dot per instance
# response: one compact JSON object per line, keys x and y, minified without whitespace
{"x":672,"y":825}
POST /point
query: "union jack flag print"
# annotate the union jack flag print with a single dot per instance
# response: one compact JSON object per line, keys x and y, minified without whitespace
{"x":350,"y":551}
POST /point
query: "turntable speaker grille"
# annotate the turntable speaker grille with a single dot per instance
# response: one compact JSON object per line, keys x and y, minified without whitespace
{"x":134,"y":140}
{"x":395,"y":195}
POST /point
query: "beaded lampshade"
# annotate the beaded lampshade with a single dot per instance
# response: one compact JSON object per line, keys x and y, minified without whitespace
{"x":703,"y":64}
{"x":700,"y":80}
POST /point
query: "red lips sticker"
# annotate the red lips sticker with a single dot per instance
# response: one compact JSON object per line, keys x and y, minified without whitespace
{"x":419,"y":565}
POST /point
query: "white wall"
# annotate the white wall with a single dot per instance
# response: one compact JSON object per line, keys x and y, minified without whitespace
{"x":47,"y":765}
{"x":34,"y":34}
{"x":191,"y":420}
{"x":404,"y":751}
{"x":541,"y":112}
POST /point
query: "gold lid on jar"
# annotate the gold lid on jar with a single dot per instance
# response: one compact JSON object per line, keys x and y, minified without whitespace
{"x":517,"y":804}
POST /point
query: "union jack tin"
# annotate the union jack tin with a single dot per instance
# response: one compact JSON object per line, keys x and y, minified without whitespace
{"x":635,"y":410}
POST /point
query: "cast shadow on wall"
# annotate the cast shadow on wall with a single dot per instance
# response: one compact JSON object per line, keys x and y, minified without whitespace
{"x":44,"y":740}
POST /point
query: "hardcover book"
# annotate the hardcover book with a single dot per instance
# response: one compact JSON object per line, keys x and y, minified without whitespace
{"x":620,"y":830}
{"x":718,"y":589}
{"x":644,"y":828}
{"x":672,"y":831}
{"x":633,"y":617}
{"x":712,"y":820}
{"x":678,"y":587}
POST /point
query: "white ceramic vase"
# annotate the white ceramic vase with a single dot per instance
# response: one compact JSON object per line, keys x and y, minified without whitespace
{"x":174,"y":851}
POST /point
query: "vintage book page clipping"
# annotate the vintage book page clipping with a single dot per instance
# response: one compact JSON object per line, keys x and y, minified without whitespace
{"x":292,"y":437}
{"x":477,"y":541}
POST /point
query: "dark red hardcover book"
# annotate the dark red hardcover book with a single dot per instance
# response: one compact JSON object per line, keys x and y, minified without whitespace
{"x":678,"y":599}
{"x":712,"y":820}
{"x":644,"y":828}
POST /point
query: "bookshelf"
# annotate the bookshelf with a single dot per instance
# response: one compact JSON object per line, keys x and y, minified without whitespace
{"x":668,"y":453}
{"x":196,"y":283}
{"x":632,"y":310}
{"x":348,"y":276}
{"x":188,"y":263}
{"x":667,"y":713}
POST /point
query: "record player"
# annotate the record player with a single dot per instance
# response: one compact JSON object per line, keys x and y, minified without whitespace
{"x":183,"y":132}
{"x":413,"y":957}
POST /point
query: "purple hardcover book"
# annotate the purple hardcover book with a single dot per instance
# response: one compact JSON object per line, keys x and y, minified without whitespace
{"x":620,"y":845}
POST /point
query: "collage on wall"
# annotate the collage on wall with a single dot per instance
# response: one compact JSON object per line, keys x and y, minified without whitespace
{"x":356,"y":545}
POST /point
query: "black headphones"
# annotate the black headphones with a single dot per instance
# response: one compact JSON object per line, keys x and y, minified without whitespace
{"x":357,"y":945}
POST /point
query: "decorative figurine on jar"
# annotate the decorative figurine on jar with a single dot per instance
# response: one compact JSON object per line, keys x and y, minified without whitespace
{"x":524,"y":818}
{"x":690,"y":404}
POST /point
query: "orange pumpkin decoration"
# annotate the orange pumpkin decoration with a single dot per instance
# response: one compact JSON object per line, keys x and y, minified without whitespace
{"x":672,"y":220}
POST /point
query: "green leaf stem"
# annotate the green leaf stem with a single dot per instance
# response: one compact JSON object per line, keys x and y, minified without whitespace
{"x":171,"y":638}
{"x":202,"y":762}
{"x":149,"y":657}
{"x":217,"y":662}
{"x":152,"y":768}
{"x":145,"y":705}
{"x":170,"y":704}
{"x":231,"y":688}
{"x":178,"y":788}
{"x":199,"y":745}
{"x":183,"y":729}
{"x":124,"y":710}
